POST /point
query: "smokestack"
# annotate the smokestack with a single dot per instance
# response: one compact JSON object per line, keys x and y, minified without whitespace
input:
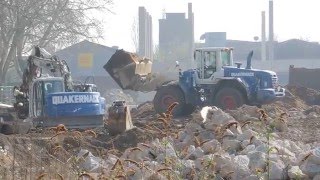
{"x":191,"y":27}
{"x":189,"y":10}
{"x":263,"y":36}
{"x":271,"y":48}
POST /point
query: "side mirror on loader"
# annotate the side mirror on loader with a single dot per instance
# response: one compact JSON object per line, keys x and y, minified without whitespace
{"x":178,"y":66}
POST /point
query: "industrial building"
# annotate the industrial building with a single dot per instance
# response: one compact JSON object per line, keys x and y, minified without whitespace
{"x":176,"y":36}
{"x":86,"y":59}
{"x":214,"y":39}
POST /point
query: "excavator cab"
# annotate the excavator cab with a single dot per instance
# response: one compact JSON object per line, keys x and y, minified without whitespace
{"x":40,"y":89}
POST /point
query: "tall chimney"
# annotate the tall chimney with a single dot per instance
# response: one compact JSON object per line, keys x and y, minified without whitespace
{"x":191,"y":27}
{"x":263,"y":36}
{"x":271,"y":40}
{"x":191,"y":20}
{"x":189,"y":10}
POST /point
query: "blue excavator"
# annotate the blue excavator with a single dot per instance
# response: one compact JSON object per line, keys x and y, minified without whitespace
{"x":48,"y":97}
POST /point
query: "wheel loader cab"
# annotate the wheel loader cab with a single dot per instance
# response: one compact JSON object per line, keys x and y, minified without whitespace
{"x":40,"y":88}
{"x":210,"y":62}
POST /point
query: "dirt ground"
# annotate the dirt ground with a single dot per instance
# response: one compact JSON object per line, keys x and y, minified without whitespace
{"x":303,"y":120}
{"x":304,"y":130}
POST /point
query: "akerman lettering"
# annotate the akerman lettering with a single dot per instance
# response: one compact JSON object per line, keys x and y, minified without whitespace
{"x":75,"y":99}
{"x":243,"y":74}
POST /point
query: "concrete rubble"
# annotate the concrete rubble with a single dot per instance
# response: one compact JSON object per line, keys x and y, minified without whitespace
{"x":271,"y":142}
{"x":221,"y":146}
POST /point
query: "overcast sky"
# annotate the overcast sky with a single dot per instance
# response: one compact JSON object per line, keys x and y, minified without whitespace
{"x":241,"y":19}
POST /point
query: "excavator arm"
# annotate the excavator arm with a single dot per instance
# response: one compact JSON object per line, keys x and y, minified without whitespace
{"x":40,"y":64}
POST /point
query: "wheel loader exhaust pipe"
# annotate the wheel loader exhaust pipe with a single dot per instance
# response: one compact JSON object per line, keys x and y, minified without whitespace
{"x":249,"y":58}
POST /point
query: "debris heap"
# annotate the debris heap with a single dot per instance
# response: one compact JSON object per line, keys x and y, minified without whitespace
{"x":278,"y":141}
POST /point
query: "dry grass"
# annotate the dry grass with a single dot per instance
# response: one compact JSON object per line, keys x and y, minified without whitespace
{"x":44,"y":155}
{"x":263,"y":115}
{"x":86,"y":176}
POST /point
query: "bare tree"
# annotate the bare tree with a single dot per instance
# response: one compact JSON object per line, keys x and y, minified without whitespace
{"x":55,"y":23}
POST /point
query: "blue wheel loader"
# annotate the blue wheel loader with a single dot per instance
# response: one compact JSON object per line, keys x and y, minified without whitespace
{"x":215,"y":81}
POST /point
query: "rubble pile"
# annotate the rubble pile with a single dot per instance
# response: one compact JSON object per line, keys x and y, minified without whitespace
{"x":307,"y":95}
{"x":215,"y":144}
{"x":276,"y":141}
{"x":144,"y":110}
{"x":291,"y":102}
{"x":298,"y":98}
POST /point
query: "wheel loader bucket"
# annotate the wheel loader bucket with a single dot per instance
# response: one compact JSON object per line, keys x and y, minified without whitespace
{"x":128,"y":69}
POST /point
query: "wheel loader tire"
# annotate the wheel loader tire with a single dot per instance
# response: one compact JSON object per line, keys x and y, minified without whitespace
{"x":189,"y":109}
{"x":229,"y":98}
{"x":7,"y":129}
{"x":165,"y":96}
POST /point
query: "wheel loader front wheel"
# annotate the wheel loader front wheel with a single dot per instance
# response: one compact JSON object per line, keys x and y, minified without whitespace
{"x":7,"y":129}
{"x":229,"y":98}
{"x":167,"y":95}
